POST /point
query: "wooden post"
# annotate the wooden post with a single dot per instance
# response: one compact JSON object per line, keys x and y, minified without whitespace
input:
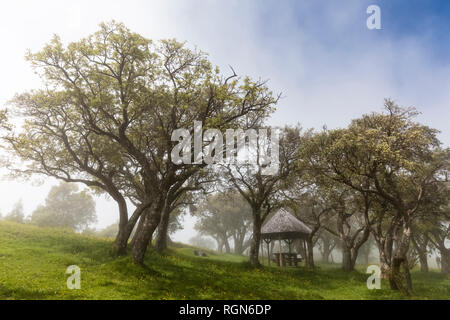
{"x":279,"y":245}
{"x":268,"y":251}
{"x":305,"y":252}
{"x":289,"y":241}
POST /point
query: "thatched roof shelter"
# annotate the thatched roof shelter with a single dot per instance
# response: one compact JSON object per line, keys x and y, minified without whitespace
{"x":284,"y":225}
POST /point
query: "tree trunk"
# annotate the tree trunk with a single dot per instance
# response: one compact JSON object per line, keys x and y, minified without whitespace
{"x":239,"y":250}
{"x":326,"y":255}
{"x":310,"y":253}
{"x":350,"y":249}
{"x":238,"y":245}
{"x":399,"y":277}
{"x":349,"y":256}
{"x":327,"y":248}
{"x":149,"y":225}
{"x":347,"y":264}
{"x":161,"y":238}
{"x":121,"y":241}
{"x":385,"y":247}
{"x":385,"y":264}
{"x":256,"y":239}
{"x":421,"y":249}
{"x":219,"y":245}
{"x":445,"y":261}
{"x":227,"y":245}
{"x":423,"y":261}
{"x":138,"y":229}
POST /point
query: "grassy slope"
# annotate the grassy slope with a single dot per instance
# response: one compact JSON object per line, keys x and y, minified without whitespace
{"x":33,"y":263}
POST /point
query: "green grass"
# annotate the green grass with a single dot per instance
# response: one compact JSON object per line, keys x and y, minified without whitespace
{"x":33,"y":262}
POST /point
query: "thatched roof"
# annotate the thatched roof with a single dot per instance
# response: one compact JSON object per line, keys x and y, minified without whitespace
{"x":284,"y":225}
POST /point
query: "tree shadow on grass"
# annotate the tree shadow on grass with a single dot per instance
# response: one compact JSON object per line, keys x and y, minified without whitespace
{"x":197,"y":278}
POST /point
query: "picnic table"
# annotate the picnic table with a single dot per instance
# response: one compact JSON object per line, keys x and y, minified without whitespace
{"x":290,"y":259}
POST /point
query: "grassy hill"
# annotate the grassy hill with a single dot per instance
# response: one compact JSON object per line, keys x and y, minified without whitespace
{"x":33,"y":262}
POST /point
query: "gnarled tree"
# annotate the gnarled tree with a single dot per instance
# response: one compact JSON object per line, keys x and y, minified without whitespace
{"x":120,"y":97}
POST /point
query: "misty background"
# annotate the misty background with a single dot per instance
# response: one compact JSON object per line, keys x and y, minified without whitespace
{"x":319,"y":54}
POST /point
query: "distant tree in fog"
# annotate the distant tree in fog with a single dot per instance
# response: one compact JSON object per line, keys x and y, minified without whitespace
{"x":66,"y":208}
{"x":225,"y":216}
{"x":16,"y":214}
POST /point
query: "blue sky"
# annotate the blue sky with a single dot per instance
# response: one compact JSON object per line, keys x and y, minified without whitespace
{"x":319,"y":53}
{"x":427,"y":19}
{"x":312,"y":50}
